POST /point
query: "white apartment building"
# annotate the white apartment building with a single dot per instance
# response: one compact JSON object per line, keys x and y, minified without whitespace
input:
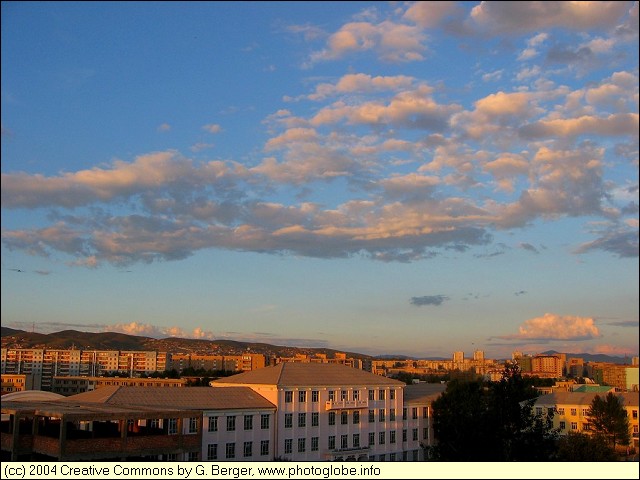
{"x":330,"y":412}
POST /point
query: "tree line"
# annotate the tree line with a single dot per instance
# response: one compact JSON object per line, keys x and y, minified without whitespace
{"x":480,"y":421}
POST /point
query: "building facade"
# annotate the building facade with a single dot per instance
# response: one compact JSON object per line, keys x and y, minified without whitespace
{"x":331,"y":412}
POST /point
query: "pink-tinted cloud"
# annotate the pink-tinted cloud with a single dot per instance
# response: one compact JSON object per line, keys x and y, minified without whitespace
{"x":552,"y":326}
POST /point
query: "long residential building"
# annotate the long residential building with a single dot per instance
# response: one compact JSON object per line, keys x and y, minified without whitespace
{"x":45,"y":364}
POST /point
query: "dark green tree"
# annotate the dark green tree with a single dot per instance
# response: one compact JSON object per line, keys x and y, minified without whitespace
{"x":609,"y":418}
{"x":519,"y":434}
{"x":458,"y":423}
{"x":474,"y":422}
{"x":579,"y":447}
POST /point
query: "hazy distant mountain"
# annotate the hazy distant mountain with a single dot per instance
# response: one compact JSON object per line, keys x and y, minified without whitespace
{"x":593,"y":357}
{"x":12,"y":338}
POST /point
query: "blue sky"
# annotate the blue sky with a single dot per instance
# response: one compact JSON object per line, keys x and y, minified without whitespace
{"x":386,"y":178}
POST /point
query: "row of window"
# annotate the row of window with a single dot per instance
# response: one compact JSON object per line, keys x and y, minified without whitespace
{"x":231,"y":422}
{"x":574,"y":412}
{"x":355,"y":440}
{"x":333,"y":395}
{"x":230,"y":450}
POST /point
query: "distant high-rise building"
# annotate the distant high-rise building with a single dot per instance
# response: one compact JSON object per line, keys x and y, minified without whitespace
{"x":478,"y":356}
{"x":458,"y":357}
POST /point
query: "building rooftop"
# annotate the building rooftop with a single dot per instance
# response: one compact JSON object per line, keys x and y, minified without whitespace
{"x":423,"y":392}
{"x":96,"y":411}
{"x":583,"y":398}
{"x":201,"y":398}
{"x":309,"y":374}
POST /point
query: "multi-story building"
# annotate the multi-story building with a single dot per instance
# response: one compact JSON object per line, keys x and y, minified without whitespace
{"x":570,"y":411}
{"x":74,"y":385}
{"x":230,"y":363}
{"x":417,"y":415}
{"x":334,"y":412}
{"x":547,"y":366}
{"x":16,"y":383}
{"x":622,"y":377}
{"x":45,"y":364}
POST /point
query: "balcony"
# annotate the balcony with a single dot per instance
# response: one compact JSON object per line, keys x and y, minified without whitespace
{"x":346,"y":404}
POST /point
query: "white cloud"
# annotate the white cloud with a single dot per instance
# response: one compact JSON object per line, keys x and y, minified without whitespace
{"x":552,"y":326}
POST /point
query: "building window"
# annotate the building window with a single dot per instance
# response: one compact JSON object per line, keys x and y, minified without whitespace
{"x":392,"y":394}
{"x":414,"y":413}
{"x":392,"y":457}
{"x":213,"y":424}
{"x":381,"y":438}
{"x":288,"y":420}
{"x":315,"y":419}
{"x":563,"y":425}
{"x":560,"y":411}
{"x":332,"y":442}
{"x":381,"y":458}
{"x":372,"y":395}
{"x":288,"y":397}
{"x":332,"y":418}
{"x":404,"y":413}
{"x":172,"y":426}
{"x":264,"y":447}
{"x":302,"y":396}
{"x":392,"y":414}
{"x":574,"y":412}
{"x":634,"y":414}
{"x":288,"y":445}
{"x":231,"y":450}
{"x":248,"y":449}
{"x":193,"y":425}
{"x":302,"y":420}
{"x":315,"y":395}
{"x":356,"y":440}
{"x":381,"y":414}
{"x":193,"y":456}
{"x":372,"y":438}
{"x":585,"y":412}
{"x":248,"y":422}
{"x":424,"y":412}
{"x":635,"y":429}
{"x":381,"y":394}
{"x":356,"y":395}
{"x":372,"y":416}
{"x":415,"y":455}
{"x":344,"y":418}
{"x":344,"y":441}
{"x":425,"y":434}
{"x":586,"y":426}
{"x":574,"y":425}
{"x":392,"y":436}
{"x":404,"y":435}
{"x":356,"y":417}
{"x":264,"y":421}
{"x":415,"y":434}
{"x":212,"y":451}
{"x":302,"y":445}
{"x":332,"y":395}
{"x":231,"y":423}
{"x":314,"y":444}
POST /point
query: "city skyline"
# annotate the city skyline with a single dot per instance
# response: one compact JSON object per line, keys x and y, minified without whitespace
{"x":412,"y":178}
